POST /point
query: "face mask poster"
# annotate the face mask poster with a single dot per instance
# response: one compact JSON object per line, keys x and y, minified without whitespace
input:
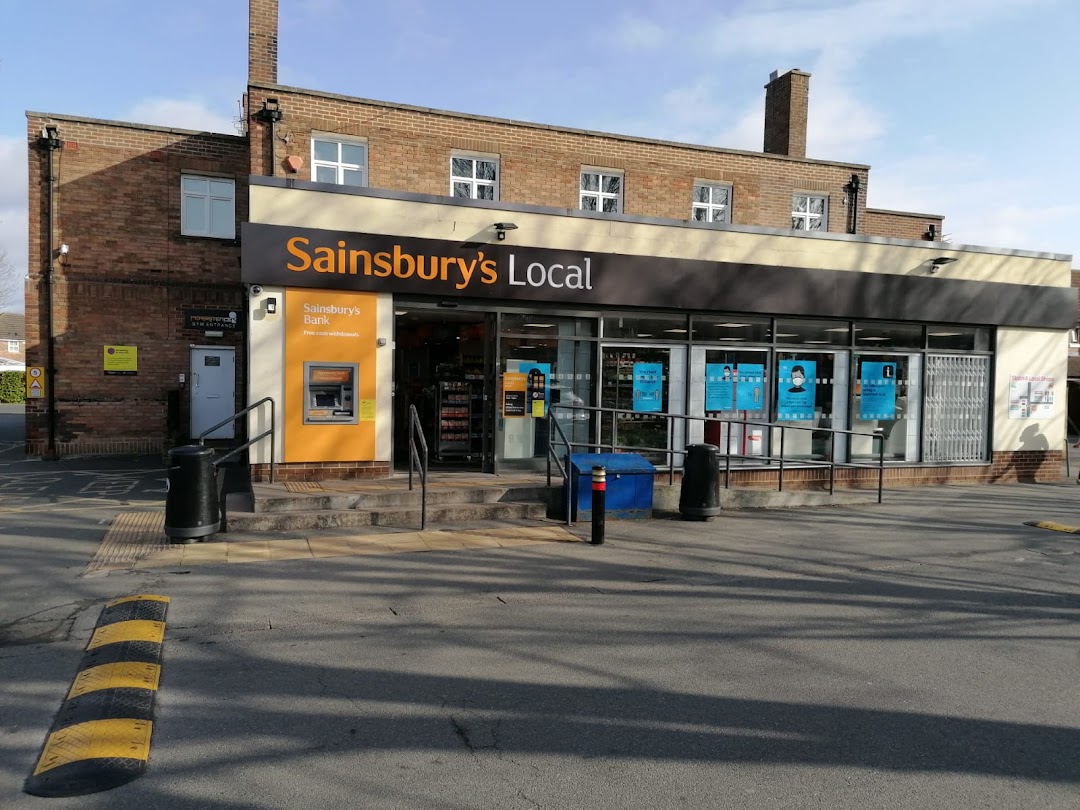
{"x":795,"y":390}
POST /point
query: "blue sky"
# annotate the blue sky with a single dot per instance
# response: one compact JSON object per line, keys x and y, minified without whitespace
{"x":961,"y":107}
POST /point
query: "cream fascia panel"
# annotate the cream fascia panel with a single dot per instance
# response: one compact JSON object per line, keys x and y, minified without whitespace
{"x":343,"y":212}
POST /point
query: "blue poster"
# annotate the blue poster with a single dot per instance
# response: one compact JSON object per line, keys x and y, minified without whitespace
{"x":750,"y":387}
{"x":648,"y":387}
{"x":795,"y":389}
{"x":719,"y":386}
{"x":878,"y":391}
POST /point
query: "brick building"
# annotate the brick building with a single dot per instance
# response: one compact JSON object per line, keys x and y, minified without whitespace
{"x":347,"y":258}
{"x":12,"y":342}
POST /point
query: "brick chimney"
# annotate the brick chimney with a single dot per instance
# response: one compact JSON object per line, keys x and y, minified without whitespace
{"x":786,"y":100}
{"x":262,"y":41}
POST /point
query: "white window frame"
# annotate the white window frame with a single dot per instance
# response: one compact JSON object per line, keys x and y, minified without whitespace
{"x":204,"y":228}
{"x":599,"y":193}
{"x":13,"y":345}
{"x":339,"y":166}
{"x":473,"y":181}
{"x":805,"y":216}
{"x":714,"y":211}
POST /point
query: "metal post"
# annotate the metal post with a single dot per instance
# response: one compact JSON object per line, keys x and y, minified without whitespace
{"x":881,"y":465}
{"x":599,"y":496}
{"x":671,"y":450}
{"x":780,"y":481}
{"x":273,"y":439}
{"x":832,"y":462}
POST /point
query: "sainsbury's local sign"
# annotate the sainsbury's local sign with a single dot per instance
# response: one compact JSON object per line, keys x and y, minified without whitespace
{"x":340,"y":260}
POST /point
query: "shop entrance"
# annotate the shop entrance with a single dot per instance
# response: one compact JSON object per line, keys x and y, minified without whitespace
{"x":442,"y":362}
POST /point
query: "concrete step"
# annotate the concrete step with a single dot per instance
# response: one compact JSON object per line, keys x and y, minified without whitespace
{"x":339,"y":501}
{"x":405,"y":518}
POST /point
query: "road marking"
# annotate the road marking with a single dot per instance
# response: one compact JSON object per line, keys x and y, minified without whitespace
{"x":120,"y":675}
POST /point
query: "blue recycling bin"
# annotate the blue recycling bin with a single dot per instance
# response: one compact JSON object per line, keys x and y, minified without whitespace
{"x":629,"y":485}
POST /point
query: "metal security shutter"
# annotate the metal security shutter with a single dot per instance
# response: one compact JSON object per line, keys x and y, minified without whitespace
{"x":956,"y":408}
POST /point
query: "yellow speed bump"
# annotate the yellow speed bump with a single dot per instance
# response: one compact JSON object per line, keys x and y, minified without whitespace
{"x":1054,"y":527}
{"x":100,"y":737}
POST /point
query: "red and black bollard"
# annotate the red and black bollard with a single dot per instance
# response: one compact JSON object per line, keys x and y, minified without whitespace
{"x":599,"y":495}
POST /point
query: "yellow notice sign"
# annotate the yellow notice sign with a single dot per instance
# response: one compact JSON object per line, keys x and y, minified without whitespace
{"x":367,"y":410}
{"x":35,"y":382}
{"x":121,"y":360}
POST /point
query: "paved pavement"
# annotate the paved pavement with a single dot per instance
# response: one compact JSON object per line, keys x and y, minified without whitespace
{"x":918,"y":654}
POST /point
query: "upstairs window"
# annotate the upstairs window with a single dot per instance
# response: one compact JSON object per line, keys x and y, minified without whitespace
{"x":208,"y":207}
{"x":474,"y":178}
{"x":601,"y":191}
{"x":338,"y":161}
{"x":13,"y":345}
{"x":809,"y":212}
{"x":712,"y":203}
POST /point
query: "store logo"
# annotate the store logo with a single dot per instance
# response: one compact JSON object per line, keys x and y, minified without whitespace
{"x":383,"y":264}
{"x":461,"y":272}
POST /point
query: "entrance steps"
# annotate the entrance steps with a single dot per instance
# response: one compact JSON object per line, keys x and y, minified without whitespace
{"x":482,"y":500}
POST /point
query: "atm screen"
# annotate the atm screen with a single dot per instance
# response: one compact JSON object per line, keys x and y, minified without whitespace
{"x":325,"y":401}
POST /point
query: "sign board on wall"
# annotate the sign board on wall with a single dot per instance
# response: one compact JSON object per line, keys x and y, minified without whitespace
{"x":372,"y":262}
{"x":1031,"y":396}
{"x":648,"y":387}
{"x":719,"y":386}
{"x":211,"y":320}
{"x":324,"y":328}
{"x":35,"y":382}
{"x":121,"y":360}
{"x":796,"y":386}
{"x":877,"y":391}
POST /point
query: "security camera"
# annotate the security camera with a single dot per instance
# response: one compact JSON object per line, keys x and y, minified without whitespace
{"x":256,"y":289}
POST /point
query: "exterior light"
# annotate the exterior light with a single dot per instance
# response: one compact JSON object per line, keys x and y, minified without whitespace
{"x":502,"y":227}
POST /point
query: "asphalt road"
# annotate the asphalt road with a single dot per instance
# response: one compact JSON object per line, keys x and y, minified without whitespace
{"x":919,"y":654}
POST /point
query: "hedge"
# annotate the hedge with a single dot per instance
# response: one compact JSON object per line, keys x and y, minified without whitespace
{"x":12,"y":386}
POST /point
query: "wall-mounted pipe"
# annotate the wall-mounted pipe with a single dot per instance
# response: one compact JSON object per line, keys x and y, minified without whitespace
{"x":51,"y":143}
{"x":853,"y":202}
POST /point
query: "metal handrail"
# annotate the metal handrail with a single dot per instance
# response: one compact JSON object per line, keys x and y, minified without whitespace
{"x":250,"y":442}
{"x":562,"y":470}
{"x":877,"y":436}
{"x":415,"y":459}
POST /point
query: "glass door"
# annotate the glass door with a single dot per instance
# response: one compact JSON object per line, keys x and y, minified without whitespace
{"x":643,"y":382}
{"x":727,"y":384}
{"x":811,"y":391}
{"x":885,"y":397}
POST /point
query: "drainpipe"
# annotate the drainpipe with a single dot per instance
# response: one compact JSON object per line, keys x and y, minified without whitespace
{"x":853,"y":198}
{"x":51,"y":143}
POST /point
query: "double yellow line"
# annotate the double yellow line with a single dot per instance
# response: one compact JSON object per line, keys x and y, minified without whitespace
{"x":101,"y":736}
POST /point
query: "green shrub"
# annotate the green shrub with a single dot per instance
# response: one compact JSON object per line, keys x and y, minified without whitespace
{"x":12,"y":386}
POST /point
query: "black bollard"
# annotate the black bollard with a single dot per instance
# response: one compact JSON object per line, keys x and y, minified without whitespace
{"x":599,"y":495}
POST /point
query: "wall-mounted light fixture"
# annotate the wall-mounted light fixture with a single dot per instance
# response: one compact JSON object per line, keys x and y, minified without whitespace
{"x":271,"y":306}
{"x":270,"y":112}
{"x":63,"y":250}
{"x":502,"y":227}
{"x":939,"y":262}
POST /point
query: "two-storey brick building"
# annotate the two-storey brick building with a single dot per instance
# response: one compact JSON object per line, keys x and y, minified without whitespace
{"x":350,"y":258}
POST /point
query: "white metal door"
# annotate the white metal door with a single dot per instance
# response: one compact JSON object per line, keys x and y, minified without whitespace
{"x":213,"y":390}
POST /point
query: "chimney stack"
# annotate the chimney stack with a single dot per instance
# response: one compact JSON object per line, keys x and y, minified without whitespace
{"x":262,"y":41}
{"x":786,"y":101}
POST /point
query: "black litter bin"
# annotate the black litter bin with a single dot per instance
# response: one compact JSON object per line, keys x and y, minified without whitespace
{"x":699,"y":498}
{"x":191,"y":502}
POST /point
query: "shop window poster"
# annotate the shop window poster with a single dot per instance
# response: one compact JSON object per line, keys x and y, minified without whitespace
{"x":719,"y":386}
{"x":750,"y":386}
{"x":878,"y":391}
{"x":537,"y":382}
{"x":796,"y":388}
{"x":648,"y":387}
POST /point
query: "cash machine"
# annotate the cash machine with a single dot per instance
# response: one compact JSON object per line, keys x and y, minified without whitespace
{"x":330,"y":393}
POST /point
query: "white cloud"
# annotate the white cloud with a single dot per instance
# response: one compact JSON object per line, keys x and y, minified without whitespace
{"x":13,"y":222}
{"x":639,"y":34}
{"x":191,"y":113}
{"x":981,"y":206}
